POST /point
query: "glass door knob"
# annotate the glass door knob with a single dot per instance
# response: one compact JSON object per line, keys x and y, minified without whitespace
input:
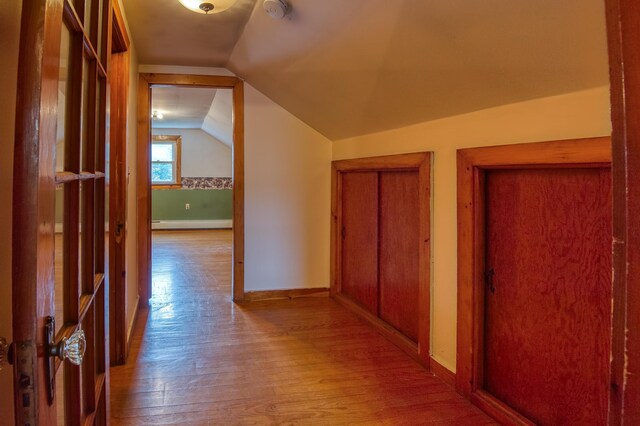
{"x":71,"y":349}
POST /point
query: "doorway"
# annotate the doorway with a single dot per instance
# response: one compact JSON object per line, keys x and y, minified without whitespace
{"x":146,"y":84}
{"x":191,"y":187}
{"x":534,"y":282}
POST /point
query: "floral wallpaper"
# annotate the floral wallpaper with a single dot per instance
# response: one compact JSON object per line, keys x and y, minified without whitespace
{"x":207,"y":183}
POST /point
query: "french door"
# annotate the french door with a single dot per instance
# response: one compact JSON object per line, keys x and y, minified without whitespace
{"x":60,"y":187}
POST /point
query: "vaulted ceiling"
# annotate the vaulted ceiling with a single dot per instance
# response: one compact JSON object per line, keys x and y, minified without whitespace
{"x":353,"y":67}
{"x":181,"y":107}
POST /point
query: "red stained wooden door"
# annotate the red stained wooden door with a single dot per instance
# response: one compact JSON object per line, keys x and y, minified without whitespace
{"x":360,"y":238}
{"x":59,"y":211}
{"x":548,"y":303}
{"x":400,"y":250}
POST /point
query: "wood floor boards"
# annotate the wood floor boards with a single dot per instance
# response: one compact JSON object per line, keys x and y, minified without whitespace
{"x":198,"y":359}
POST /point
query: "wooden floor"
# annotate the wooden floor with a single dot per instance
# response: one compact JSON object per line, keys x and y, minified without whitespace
{"x":199,"y":359}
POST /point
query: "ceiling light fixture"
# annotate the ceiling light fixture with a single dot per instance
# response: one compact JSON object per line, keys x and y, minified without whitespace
{"x":157,"y":115}
{"x":207,"y":7}
{"x":277,"y":9}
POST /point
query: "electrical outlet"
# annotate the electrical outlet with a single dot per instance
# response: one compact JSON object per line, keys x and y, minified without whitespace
{"x":187,"y":206}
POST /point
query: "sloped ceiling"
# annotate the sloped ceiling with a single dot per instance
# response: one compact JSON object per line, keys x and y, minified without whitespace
{"x":194,"y":108}
{"x":354,"y":67}
{"x":166,"y":33}
{"x":182,"y":107}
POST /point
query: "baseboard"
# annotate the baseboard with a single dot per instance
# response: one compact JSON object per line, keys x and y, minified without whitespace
{"x":443,"y":373}
{"x":132,"y":324}
{"x":252,"y":296}
{"x":192,"y":224}
{"x":393,"y":335}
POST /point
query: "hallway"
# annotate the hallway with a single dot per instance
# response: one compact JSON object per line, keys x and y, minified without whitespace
{"x":197,"y":358}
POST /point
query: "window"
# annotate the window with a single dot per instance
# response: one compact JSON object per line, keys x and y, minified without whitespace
{"x":165,"y":160}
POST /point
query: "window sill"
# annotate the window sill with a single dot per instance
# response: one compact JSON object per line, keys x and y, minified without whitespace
{"x":166,"y":186}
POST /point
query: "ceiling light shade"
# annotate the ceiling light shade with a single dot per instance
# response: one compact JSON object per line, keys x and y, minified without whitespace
{"x":208,"y":7}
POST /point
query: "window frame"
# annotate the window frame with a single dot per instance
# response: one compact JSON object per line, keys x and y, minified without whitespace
{"x":173,"y":140}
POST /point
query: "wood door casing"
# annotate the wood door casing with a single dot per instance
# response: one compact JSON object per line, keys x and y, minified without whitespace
{"x":393,"y":170}
{"x":399,"y":248}
{"x":473,"y":166}
{"x":360,"y":238}
{"x":118,"y":180}
{"x":548,"y":309}
{"x":145,"y":82}
{"x":623,"y":24}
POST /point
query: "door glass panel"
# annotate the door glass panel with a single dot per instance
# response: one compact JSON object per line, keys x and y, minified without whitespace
{"x":96,"y":36}
{"x":88,"y":367}
{"x":59,"y":257}
{"x":87,"y":247}
{"x":88,"y":25}
{"x":97,"y":140}
{"x":86,"y":111}
{"x":80,"y":237}
{"x":63,"y":92}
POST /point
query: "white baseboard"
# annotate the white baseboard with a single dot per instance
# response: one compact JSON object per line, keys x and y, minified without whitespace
{"x":192,"y":224}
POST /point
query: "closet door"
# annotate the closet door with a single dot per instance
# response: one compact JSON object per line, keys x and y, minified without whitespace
{"x":548,"y":298}
{"x":399,"y":216}
{"x":360,"y":238}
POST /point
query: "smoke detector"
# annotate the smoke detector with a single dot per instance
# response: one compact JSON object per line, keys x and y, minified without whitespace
{"x":277,"y":9}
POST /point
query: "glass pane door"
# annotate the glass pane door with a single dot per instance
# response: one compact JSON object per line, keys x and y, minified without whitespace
{"x":79,"y":216}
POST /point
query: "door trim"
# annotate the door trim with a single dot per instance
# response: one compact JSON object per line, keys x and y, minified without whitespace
{"x":119,"y":64}
{"x":623,"y":24}
{"x":145,"y":82}
{"x":420,"y":162}
{"x":472,"y":164}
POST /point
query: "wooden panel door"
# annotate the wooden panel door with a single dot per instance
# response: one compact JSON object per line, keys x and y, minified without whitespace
{"x":400,"y":250}
{"x":59,"y":210}
{"x":360,"y":238}
{"x":548,"y":293}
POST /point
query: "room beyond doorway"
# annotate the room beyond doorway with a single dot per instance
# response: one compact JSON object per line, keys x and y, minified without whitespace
{"x":145,"y":84}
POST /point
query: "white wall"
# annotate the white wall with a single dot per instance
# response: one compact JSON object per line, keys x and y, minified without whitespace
{"x":287,"y":193}
{"x":202,"y":154}
{"x":288,"y":199}
{"x":576,"y":115}
{"x":10,"y":13}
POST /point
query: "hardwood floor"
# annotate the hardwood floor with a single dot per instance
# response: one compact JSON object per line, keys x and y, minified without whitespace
{"x":199,"y":359}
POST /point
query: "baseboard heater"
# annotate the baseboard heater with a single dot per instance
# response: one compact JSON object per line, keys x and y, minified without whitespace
{"x":192,"y":224}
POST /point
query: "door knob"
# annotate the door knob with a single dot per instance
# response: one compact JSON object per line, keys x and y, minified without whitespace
{"x":71,"y":348}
